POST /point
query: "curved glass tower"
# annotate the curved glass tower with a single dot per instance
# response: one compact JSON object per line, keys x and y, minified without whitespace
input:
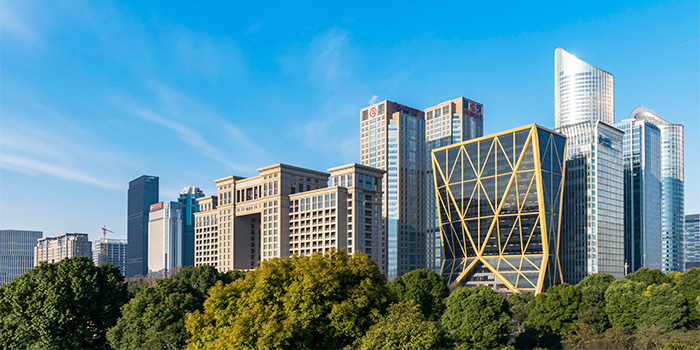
{"x":582,"y":91}
{"x":672,"y":195}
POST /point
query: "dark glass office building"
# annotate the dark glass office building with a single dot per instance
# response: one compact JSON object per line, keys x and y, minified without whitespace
{"x":499,"y":200}
{"x":143,"y":192}
{"x":188,"y":202}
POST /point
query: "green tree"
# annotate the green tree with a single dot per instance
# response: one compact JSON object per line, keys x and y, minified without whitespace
{"x":520,"y":305}
{"x":404,"y":327}
{"x":205,"y":276}
{"x":317,"y":301}
{"x":592,"y":317}
{"x":648,"y":276}
{"x":155,"y":318}
{"x":476,"y":318}
{"x":555,"y":310}
{"x":66,"y":305}
{"x":424,"y":286}
{"x":622,"y":299}
{"x":689,"y":285}
{"x":662,"y":306}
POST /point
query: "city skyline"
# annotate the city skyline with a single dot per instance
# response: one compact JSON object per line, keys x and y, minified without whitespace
{"x":80,"y":118}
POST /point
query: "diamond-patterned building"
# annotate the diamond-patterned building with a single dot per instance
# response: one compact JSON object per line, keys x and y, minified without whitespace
{"x":499,"y":198}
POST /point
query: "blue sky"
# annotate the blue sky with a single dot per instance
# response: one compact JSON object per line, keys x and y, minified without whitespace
{"x":96,"y":93}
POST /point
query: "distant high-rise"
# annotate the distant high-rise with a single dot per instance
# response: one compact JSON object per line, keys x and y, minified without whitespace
{"x":164,"y":236}
{"x":642,"y":170}
{"x":143,"y":192}
{"x":392,"y":138}
{"x":672,"y":188}
{"x":110,"y":251}
{"x":692,"y":241}
{"x":582,"y":92}
{"x":593,"y":213}
{"x":63,"y":246}
{"x":16,"y":253}
{"x":188,"y":202}
{"x":447,"y":123}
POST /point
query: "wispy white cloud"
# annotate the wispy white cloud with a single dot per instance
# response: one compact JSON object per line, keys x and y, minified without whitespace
{"x":174,"y":110}
{"x":329,"y":57}
{"x":12,"y":23}
{"x":372,"y":100}
{"x":256,"y":27}
{"x":34,"y":167}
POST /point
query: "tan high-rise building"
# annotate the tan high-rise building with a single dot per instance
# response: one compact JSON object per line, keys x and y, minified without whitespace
{"x":67,"y":245}
{"x":446,"y":123}
{"x":279,"y":212}
{"x":392,"y":138}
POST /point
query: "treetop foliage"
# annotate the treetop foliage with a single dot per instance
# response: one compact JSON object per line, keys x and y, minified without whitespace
{"x":425,"y":287}
{"x":317,"y":301}
{"x":66,"y":305}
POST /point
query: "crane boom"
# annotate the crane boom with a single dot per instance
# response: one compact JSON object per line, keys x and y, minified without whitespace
{"x":104,"y":243}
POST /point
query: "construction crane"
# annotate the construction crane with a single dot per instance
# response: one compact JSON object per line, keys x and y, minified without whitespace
{"x":104,"y":243}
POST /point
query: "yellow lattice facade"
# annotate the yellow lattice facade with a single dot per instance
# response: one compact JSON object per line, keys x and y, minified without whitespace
{"x":499,"y":200}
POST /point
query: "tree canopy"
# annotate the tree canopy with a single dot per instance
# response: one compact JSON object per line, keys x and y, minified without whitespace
{"x":476,"y":318}
{"x":155,"y":318}
{"x":404,"y":327}
{"x":555,"y":310}
{"x":622,"y":299}
{"x":317,"y":301}
{"x":425,"y":287}
{"x":649,"y":276}
{"x":66,"y":305}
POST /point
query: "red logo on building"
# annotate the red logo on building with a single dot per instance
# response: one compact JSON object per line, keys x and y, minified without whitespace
{"x":373,"y":112}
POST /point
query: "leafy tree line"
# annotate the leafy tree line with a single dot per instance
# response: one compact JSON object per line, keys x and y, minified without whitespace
{"x":336,"y":301}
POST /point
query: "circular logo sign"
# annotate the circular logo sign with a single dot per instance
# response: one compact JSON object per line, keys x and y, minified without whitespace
{"x":373,"y":112}
{"x":472,"y":106}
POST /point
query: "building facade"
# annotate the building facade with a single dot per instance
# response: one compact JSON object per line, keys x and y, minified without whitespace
{"x":582,"y":92}
{"x":63,"y":246}
{"x":110,"y":251}
{"x":392,"y":138}
{"x":16,"y":253}
{"x":672,"y":188}
{"x":188,"y":203}
{"x":641,"y":149}
{"x":692,"y":241}
{"x":165,"y":237}
{"x":143,"y":192}
{"x":287,"y":210}
{"x":593,"y":213}
{"x":499,"y":203}
{"x":447,"y":123}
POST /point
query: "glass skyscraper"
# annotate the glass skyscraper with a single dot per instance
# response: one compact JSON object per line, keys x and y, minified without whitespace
{"x":164,"y":237}
{"x":499,"y":203}
{"x":143,"y":192}
{"x":692,"y":241}
{"x":582,"y":92}
{"x":16,"y":253}
{"x":672,"y":188}
{"x":447,"y":123}
{"x":642,"y":170}
{"x":593,"y":214}
{"x":392,"y":138}
{"x":188,"y":203}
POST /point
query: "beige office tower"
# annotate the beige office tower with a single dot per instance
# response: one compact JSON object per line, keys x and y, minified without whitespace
{"x":63,"y":246}
{"x":261,"y":218}
{"x":206,"y":232}
{"x":364,"y":210}
{"x":447,"y":123}
{"x":393,"y":139}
